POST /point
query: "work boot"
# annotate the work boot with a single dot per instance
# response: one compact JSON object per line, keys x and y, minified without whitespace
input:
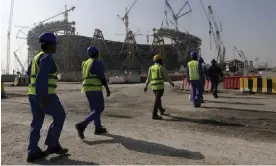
{"x":57,"y":150}
{"x":156,"y":117}
{"x":80,"y":130}
{"x":36,"y":156}
{"x":162,"y":111}
{"x":197,"y":103}
{"x":100,"y":130}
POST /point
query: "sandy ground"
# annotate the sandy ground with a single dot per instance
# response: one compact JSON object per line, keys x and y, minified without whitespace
{"x":234,"y":129}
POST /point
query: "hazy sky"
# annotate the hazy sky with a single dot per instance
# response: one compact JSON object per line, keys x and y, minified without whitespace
{"x":249,"y":25}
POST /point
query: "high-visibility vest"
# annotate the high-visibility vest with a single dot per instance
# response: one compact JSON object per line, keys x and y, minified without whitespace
{"x":193,"y":70}
{"x":157,"y":80}
{"x":52,"y":77}
{"x":90,"y":82}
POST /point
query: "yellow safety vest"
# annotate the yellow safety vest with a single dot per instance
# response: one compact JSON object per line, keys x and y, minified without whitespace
{"x":193,"y":70}
{"x":90,"y":81}
{"x":157,"y":80}
{"x":52,"y":77}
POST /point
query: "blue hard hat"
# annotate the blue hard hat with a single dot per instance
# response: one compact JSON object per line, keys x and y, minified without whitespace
{"x":92,"y":51}
{"x":47,"y":38}
{"x":193,"y":54}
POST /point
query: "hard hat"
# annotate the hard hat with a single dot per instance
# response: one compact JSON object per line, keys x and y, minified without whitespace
{"x":193,"y":54}
{"x":47,"y":38}
{"x":92,"y":51}
{"x":157,"y":57}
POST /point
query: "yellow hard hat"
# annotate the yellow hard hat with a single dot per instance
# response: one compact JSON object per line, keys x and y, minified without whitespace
{"x":157,"y":57}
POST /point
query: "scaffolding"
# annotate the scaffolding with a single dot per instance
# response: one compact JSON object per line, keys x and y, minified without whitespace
{"x":99,"y":41}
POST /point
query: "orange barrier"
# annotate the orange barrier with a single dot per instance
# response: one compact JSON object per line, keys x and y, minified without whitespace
{"x":187,"y":86}
{"x":231,"y":82}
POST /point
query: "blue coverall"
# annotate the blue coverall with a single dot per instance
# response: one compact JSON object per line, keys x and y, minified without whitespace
{"x":54,"y":108}
{"x":95,"y":98}
{"x":202,"y":75}
{"x":196,"y":84}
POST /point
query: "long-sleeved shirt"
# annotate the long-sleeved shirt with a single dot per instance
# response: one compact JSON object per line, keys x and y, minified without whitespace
{"x":98,"y":69}
{"x":214,"y":71}
{"x":46,"y":65}
{"x":164,"y":73}
{"x":200,"y":71}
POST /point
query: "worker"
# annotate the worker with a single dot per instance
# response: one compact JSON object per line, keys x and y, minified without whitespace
{"x":93,"y":80}
{"x":43,"y":99}
{"x":213,"y":73}
{"x":193,"y":75}
{"x":157,"y":73}
{"x":203,"y":75}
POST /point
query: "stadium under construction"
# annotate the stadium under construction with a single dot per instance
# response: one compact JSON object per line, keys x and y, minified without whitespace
{"x":127,"y":55}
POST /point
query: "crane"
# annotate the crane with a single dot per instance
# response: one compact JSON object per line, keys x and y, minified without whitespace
{"x":215,"y":32}
{"x":125,"y":18}
{"x":64,"y":12}
{"x":177,"y":15}
{"x":41,"y":22}
{"x":18,"y":60}
{"x":9,"y":38}
{"x":240,"y":53}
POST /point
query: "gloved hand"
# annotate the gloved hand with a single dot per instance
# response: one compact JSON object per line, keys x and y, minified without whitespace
{"x":172,"y":84}
{"x":43,"y":101}
{"x":107,"y":92}
{"x":145,"y":89}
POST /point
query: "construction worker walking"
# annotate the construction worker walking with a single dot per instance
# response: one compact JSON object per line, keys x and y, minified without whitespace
{"x":43,"y":99}
{"x":214,"y":72}
{"x":157,"y":73}
{"x":93,"y":80}
{"x":193,"y":75}
{"x":202,"y":75}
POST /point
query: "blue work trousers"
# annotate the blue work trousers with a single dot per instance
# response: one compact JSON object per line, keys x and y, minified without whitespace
{"x":202,"y":87}
{"x":55,"y":109}
{"x":96,"y":103}
{"x":196,"y":90}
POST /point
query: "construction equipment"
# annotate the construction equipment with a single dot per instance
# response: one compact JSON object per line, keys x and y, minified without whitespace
{"x":9,"y":38}
{"x":215,"y":32}
{"x":99,"y":41}
{"x":131,"y":61}
{"x":177,"y":15}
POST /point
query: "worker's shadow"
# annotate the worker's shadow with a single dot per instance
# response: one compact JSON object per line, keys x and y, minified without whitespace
{"x":119,"y":116}
{"x":242,"y":97}
{"x":148,"y":147}
{"x":229,"y":102}
{"x":203,"y":121}
{"x":237,"y":109}
{"x":63,"y":160}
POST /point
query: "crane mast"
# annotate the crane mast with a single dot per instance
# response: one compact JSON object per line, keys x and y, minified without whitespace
{"x":215,"y":32}
{"x":9,"y":38}
{"x":178,"y":14}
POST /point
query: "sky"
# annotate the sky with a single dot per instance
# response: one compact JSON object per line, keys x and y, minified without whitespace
{"x":247,"y":24}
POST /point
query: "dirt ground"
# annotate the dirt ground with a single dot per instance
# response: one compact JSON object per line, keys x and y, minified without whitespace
{"x":234,"y":129}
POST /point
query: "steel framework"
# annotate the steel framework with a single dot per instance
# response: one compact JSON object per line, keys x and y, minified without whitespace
{"x":99,"y":41}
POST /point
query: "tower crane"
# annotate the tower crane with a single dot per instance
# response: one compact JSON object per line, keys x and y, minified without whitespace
{"x":64,"y":12}
{"x":9,"y":38}
{"x":47,"y":19}
{"x":125,"y":18}
{"x":215,"y":32}
{"x":177,"y":15}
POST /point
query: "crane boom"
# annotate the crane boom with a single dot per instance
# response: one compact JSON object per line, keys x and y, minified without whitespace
{"x":178,"y":15}
{"x":220,"y":57}
{"x":20,"y":63}
{"x":9,"y":38}
{"x":66,"y":11}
